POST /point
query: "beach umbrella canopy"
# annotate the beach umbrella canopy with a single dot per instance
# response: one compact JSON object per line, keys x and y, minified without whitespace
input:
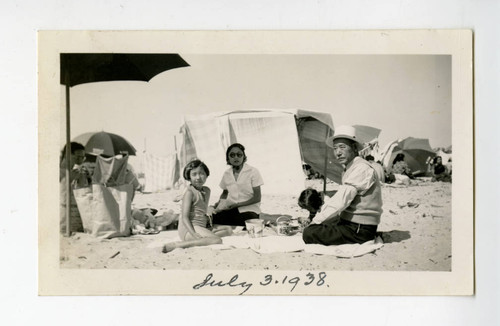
{"x":369,"y":137}
{"x":366,"y":134}
{"x":416,"y":151}
{"x":105,"y":143}
{"x":81,"y":68}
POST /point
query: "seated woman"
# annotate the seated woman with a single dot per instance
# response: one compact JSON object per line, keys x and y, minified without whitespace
{"x":402,"y":173}
{"x":240,"y":198}
{"x":439,"y":171}
{"x":399,"y":166}
{"x":79,"y":177}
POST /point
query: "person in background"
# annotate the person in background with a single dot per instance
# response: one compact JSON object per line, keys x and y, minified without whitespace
{"x":400,"y":170}
{"x":79,"y":177}
{"x":131,"y":178}
{"x":240,"y":198}
{"x":439,"y":171}
{"x":399,"y":166}
{"x":449,"y":166}
{"x":351,"y":215}
{"x":379,"y":169}
{"x":307,"y":171}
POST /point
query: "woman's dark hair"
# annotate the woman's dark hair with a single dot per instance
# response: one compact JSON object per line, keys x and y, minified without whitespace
{"x":310,"y":198}
{"x":399,"y":157}
{"x":74,"y":146}
{"x":434,"y":161}
{"x":193,"y":165}
{"x":237,"y":145}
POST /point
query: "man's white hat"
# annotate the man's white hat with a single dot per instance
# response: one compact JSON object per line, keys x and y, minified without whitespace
{"x":346,"y":132}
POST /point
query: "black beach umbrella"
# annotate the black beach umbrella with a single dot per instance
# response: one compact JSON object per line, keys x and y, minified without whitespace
{"x":81,"y":68}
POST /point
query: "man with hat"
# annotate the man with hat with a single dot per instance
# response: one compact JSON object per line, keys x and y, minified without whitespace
{"x":353,"y":213}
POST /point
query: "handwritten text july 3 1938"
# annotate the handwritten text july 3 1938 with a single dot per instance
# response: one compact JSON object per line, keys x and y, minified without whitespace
{"x":310,"y":279}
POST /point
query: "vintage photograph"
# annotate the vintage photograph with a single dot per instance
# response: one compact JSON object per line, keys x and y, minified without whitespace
{"x":246,"y":163}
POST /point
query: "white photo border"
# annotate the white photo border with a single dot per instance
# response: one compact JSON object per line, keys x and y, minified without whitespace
{"x":54,"y":280}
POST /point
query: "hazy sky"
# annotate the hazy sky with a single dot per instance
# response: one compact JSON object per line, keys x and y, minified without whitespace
{"x":404,"y":95}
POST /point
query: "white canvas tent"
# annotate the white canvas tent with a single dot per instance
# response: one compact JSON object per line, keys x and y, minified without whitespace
{"x":277,"y":143}
{"x":160,"y":173}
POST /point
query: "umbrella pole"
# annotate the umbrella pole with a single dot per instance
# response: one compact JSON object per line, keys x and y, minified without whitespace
{"x":68,"y":160}
{"x":326,"y":160}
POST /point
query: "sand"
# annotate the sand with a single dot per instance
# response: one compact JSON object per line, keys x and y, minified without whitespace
{"x":415,"y":226}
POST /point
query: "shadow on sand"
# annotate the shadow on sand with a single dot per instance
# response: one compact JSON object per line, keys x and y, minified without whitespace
{"x":394,"y":236}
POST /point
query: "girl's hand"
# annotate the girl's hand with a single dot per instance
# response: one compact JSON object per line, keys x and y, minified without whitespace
{"x":229,"y":207}
{"x":211,"y":210}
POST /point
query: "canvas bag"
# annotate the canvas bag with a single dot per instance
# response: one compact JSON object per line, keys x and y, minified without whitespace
{"x":111,"y":198}
{"x":111,"y":211}
{"x":83,"y":197}
{"x":77,"y":210}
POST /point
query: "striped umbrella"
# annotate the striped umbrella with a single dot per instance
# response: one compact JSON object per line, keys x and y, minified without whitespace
{"x":105,"y":143}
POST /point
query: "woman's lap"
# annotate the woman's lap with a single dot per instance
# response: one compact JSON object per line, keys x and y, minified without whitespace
{"x":233,"y":217}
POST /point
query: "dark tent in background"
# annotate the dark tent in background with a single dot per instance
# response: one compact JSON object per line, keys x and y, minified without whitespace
{"x":416,"y":151}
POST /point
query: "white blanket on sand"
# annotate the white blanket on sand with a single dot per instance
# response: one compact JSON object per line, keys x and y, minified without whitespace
{"x":272,"y":243}
{"x":276,"y":244}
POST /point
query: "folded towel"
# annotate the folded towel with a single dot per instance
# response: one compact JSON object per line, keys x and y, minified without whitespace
{"x":346,"y":250}
{"x":269,"y":244}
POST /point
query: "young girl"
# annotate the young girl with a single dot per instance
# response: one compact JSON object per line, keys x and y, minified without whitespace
{"x":195,"y":227}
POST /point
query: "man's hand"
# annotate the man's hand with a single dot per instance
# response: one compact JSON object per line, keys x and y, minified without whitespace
{"x":315,"y":221}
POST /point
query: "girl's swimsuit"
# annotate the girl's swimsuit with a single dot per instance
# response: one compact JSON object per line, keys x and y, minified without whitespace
{"x":197,"y":212}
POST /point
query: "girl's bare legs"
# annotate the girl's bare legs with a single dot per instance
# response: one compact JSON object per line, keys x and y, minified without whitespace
{"x":209,"y":238}
{"x":191,"y":243}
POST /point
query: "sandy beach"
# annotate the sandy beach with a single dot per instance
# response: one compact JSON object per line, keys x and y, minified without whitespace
{"x":415,"y":228}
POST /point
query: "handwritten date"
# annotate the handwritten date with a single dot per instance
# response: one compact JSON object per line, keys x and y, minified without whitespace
{"x":311,"y":279}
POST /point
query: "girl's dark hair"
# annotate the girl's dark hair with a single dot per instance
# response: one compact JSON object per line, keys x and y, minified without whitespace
{"x":310,"y":198}
{"x":399,"y":157}
{"x":74,"y":146}
{"x":237,"y":145}
{"x":193,"y":165}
